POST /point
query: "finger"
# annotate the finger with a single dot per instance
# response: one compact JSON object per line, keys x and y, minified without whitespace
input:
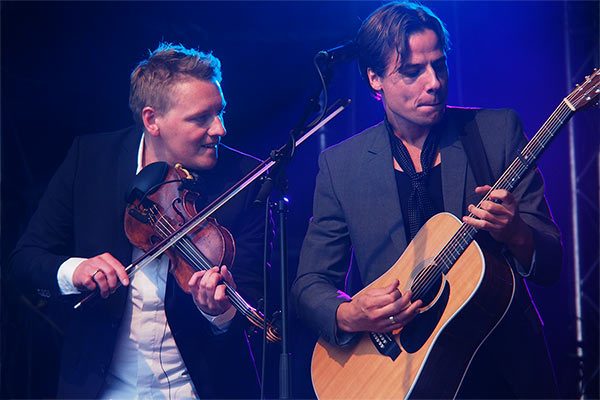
{"x":373,"y":301}
{"x":482,"y":190}
{"x":100,"y":278}
{"x":393,"y":287}
{"x":198,"y":292}
{"x":484,"y":215}
{"x":208,"y":285}
{"x":380,"y":297}
{"x":502,"y":195}
{"x":226,"y":274}
{"x":107,"y":278}
{"x":221,"y":295}
{"x":490,"y":206}
{"x":211,"y":279}
{"x":195,"y":279}
{"x":111,"y":267}
{"x":89,"y":283}
{"x":397,"y":306}
{"x":477,"y":223}
{"x":403,"y":318}
{"x":118,"y":268}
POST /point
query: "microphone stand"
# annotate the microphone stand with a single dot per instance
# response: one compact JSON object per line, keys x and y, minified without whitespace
{"x":277,"y":177}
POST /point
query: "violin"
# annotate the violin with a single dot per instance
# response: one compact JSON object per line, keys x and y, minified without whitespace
{"x":161,"y":203}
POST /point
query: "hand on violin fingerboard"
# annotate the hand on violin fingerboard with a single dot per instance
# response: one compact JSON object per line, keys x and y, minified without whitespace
{"x":103,"y":271}
{"x":209,"y":293}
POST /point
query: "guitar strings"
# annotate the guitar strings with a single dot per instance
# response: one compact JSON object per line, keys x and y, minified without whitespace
{"x":443,"y":260}
{"x":425,"y":280}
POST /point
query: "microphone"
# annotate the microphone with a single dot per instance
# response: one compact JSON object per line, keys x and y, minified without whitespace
{"x":340,"y":54}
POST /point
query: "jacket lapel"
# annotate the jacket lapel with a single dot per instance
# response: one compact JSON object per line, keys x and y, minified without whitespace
{"x":126,"y":168}
{"x":378,"y":169}
{"x":454,"y":168}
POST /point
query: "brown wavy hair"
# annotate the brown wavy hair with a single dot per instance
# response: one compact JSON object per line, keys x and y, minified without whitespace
{"x":388,"y":29}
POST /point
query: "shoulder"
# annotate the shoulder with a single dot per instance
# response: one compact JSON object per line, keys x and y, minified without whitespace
{"x":480,"y":114}
{"x":483,"y":116}
{"x":357,"y":143}
{"x":107,"y":144}
{"x":121,"y":135}
{"x":496,"y":127}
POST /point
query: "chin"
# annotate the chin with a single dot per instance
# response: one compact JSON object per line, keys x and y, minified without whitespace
{"x":205,"y":164}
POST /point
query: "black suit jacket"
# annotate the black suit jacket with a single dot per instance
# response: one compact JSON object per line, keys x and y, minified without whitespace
{"x":81,"y":215}
{"x":357,"y":216}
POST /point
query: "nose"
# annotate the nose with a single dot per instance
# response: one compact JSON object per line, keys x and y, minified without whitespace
{"x":433,"y":79}
{"x":217,"y":128}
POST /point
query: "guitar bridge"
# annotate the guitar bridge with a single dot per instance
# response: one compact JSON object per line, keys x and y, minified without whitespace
{"x":385,"y":344}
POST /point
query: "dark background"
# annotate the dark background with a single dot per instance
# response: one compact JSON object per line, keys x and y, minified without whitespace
{"x":65,"y":72}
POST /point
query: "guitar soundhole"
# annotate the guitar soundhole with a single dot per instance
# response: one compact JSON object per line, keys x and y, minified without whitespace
{"x":414,"y":335}
{"x":426,"y":286}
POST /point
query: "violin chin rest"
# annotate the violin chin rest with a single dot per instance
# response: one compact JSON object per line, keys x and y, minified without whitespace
{"x":147,"y":181}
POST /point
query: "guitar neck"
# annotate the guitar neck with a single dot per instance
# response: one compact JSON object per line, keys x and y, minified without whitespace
{"x":511,"y":177}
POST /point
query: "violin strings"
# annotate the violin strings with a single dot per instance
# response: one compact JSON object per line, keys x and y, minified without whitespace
{"x":198,"y":259}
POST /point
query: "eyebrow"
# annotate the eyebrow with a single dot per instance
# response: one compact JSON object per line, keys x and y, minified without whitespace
{"x":411,"y":65}
{"x":208,"y":112}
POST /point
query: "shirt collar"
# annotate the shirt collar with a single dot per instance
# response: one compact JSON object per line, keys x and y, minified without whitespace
{"x":140,"y":156}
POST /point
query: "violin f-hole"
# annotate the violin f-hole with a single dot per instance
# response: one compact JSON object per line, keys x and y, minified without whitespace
{"x":175,"y":203}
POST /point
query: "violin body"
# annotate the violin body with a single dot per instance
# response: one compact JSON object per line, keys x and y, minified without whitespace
{"x":154,"y":214}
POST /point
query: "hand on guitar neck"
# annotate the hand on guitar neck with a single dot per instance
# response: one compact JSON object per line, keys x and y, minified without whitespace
{"x":499,"y":215}
{"x":378,"y":310}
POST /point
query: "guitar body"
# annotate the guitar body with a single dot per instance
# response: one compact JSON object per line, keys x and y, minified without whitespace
{"x":439,"y":344}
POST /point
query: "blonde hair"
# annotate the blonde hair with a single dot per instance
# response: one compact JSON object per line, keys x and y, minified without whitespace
{"x":151,"y":81}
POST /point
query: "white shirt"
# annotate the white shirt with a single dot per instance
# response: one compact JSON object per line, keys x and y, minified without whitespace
{"x":146,"y":361}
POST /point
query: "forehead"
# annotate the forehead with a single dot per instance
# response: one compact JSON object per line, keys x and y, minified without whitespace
{"x":422,"y":46}
{"x":423,"y":43}
{"x":196,"y":93}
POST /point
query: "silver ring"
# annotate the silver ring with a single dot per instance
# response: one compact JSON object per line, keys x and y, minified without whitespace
{"x":94,"y":274}
{"x":391,"y":318}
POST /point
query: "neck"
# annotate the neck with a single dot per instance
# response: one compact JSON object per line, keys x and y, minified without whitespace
{"x":411,"y":136}
{"x":150,"y":152}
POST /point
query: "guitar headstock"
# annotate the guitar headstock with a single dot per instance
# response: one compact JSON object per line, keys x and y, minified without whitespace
{"x":586,"y":94}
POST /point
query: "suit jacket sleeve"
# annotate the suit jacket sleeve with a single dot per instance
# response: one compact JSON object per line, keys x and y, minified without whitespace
{"x":324,"y":259}
{"x":48,"y":239}
{"x":533,"y":208}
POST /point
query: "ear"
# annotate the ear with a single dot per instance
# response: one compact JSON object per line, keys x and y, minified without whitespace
{"x":374,"y":80}
{"x":149,"y":119}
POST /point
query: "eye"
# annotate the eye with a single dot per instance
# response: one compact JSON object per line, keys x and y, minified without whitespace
{"x":410,"y":72}
{"x":440,"y":67}
{"x":202,"y":119}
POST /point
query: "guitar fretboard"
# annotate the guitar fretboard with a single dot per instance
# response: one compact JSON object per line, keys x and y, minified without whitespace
{"x":511,"y":177}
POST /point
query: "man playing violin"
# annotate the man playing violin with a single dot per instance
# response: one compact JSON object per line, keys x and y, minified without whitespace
{"x":375,"y":190}
{"x":147,"y":337}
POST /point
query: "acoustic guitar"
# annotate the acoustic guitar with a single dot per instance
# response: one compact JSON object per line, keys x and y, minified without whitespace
{"x":465,"y":291}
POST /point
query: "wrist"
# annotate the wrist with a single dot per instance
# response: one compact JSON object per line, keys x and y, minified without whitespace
{"x":342,"y":317}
